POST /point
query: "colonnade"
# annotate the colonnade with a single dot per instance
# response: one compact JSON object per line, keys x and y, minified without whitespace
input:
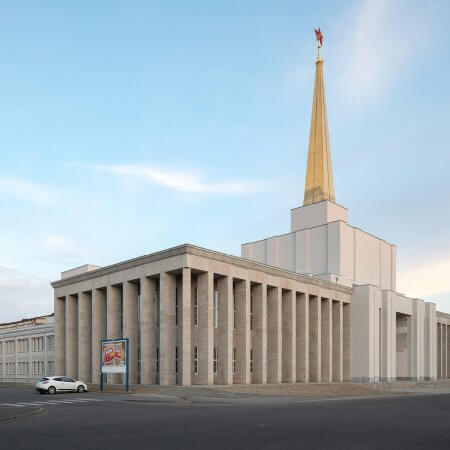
{"x":192,"y":327}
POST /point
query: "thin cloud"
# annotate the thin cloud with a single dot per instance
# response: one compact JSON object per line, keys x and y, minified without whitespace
{"x":60,"y":245}
{"x":181,"y":181}
{"x":380,"y":40}
{"x":425,"y":280}
{"x":26,"y":191}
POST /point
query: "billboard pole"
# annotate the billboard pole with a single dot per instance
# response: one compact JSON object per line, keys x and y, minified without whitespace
{"x":101,"y":365}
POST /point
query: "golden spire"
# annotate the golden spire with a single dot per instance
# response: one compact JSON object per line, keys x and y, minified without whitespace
{"x":319,"y":184}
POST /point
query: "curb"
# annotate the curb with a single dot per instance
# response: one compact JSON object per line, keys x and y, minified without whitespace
{"x":20,"y":416}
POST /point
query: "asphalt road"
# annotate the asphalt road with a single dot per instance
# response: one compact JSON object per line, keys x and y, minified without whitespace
{"x":120,"y":421}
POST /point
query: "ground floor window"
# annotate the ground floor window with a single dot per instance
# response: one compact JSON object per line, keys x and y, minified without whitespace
{"x":234,"y":360}
{"x":251,"y":361}
{"x":23,"y":368}
{"x":10,"y":368}
{"x":195,"y":359}
{"x":51,"y":367}
{"x":216,"y":360}
{"x":38,"y":367}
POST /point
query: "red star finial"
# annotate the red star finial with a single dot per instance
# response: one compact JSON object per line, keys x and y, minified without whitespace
{"x":319,"y":36}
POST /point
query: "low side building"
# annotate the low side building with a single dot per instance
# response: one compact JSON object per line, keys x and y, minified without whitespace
{"x":27,"y":349}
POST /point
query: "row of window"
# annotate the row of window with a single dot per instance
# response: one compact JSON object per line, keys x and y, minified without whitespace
{"x":37,"y":368}
{"x":37,"y":345}
{"x":195,"y":360}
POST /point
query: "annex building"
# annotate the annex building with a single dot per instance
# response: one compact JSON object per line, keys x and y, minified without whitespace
{"x":316,"y":304}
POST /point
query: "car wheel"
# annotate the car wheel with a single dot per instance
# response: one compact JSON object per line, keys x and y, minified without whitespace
{"x":80,"y":389}
{"x":51,"y":390}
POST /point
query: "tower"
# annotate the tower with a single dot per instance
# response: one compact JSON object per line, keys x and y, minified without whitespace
{"x":319,"y":183}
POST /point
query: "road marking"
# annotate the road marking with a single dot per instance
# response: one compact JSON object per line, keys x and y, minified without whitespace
{"x":52,"y":402}
{"x":13,"y":404}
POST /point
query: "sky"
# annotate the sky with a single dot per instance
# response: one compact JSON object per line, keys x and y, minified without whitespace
{"x":127,"y":127}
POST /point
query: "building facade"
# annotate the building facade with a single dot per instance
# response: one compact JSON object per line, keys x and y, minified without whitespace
{"x":194,"y":316}
{"x":318,"y":304}
{"x":27,"y":349}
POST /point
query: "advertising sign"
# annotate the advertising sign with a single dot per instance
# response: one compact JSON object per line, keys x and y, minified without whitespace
{"x":114,"y":356}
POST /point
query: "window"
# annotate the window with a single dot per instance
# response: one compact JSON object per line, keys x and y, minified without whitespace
{"x":157,"y":359}
{"x":37,"y":344}
{"x":196,"y":307}
{"x":157,"y":309}
{"x":251,"y":312}
{"x":234,"y":360}
{"x":176,"y":306}
{"x":51,"y":368}
{"x":176,"y":359}
{"x":216,"y":309}
{"x":251,"y":361}
{"x":9,"y":347}
{"x":216,"y":360}
{"x":23,"y":368}
{"x":195,"y":359}
{"x":50,"y":343}
{"x":234,"y":312}
{"x":10,"y":368}
{"x":22,"y":345}
{"x":67,"y":379}
{"x":38,"y":367}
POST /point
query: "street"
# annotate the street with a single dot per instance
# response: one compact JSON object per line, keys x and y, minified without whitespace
{"x":118,"y":421}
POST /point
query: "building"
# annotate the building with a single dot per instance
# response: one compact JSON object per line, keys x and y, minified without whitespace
{"x":27,"y":349}
{"x":317,"y":304}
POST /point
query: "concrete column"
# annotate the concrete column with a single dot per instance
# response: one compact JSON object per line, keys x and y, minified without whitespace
{"x":448,"y":351}
{"x":315,"y":339}
{"x":242,"y":332}
{"x":185,"y":323}
{"x":347,"y":346}
{"x":338,"y":341}
{"x":289,"y":299}
{"x":326,"y":340}
{"x":148,"y":330}
{"x":225,"y":288}
{"x":259,"y":294}
{"x":60,"y":336}
{"x":114,"y":321}
{"x":439,"y":351}
{"x":302,"y":345}
{"x":84,"y":336}
{"x":71,"y":336}
{"x":130,"y":327}
{"x":205,"y":328}
{"x":274,"y":335}
{"x":445,"y":352}
{"x":167,"y":338}
{"x":98,"y":330}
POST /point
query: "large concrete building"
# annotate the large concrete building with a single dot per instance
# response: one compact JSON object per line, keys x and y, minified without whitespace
{"x":316,"y":304}
{"x":27,"y":349}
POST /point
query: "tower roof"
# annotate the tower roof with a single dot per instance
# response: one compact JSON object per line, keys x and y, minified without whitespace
{"x":319,"y":183}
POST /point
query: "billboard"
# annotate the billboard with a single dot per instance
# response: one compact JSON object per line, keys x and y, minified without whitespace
{"x":114,"y":356}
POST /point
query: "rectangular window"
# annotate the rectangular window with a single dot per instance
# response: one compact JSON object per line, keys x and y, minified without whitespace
{"x":158,"y":312}
{"x":216,"y":309}
{"x":176,"y":306}
{"x":216,"y":360}
{"x":51,"y":368}
{"x":51,"y":343}
{"x":37,"y":344}
{"x":23,"y":368}
{"x":176,"y":359}
{"x":22,"y":345}
{"x":234,"y":360}
{"x":38,"y":367}
{"x":196,"y":307}
{"x":251,"y":361}
{"x":195,"y":359}
{"x":10,"y":368}
{"x":9,"y":347}
{"x":157,"y":359}
{"x":251,"y":312}
{"x":234,"y":312}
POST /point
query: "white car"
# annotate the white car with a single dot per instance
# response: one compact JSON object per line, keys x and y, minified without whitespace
{"x":52,"y":385}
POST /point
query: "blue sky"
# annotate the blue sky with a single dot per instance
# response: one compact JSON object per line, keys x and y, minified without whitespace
{"x":130,"y":127}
